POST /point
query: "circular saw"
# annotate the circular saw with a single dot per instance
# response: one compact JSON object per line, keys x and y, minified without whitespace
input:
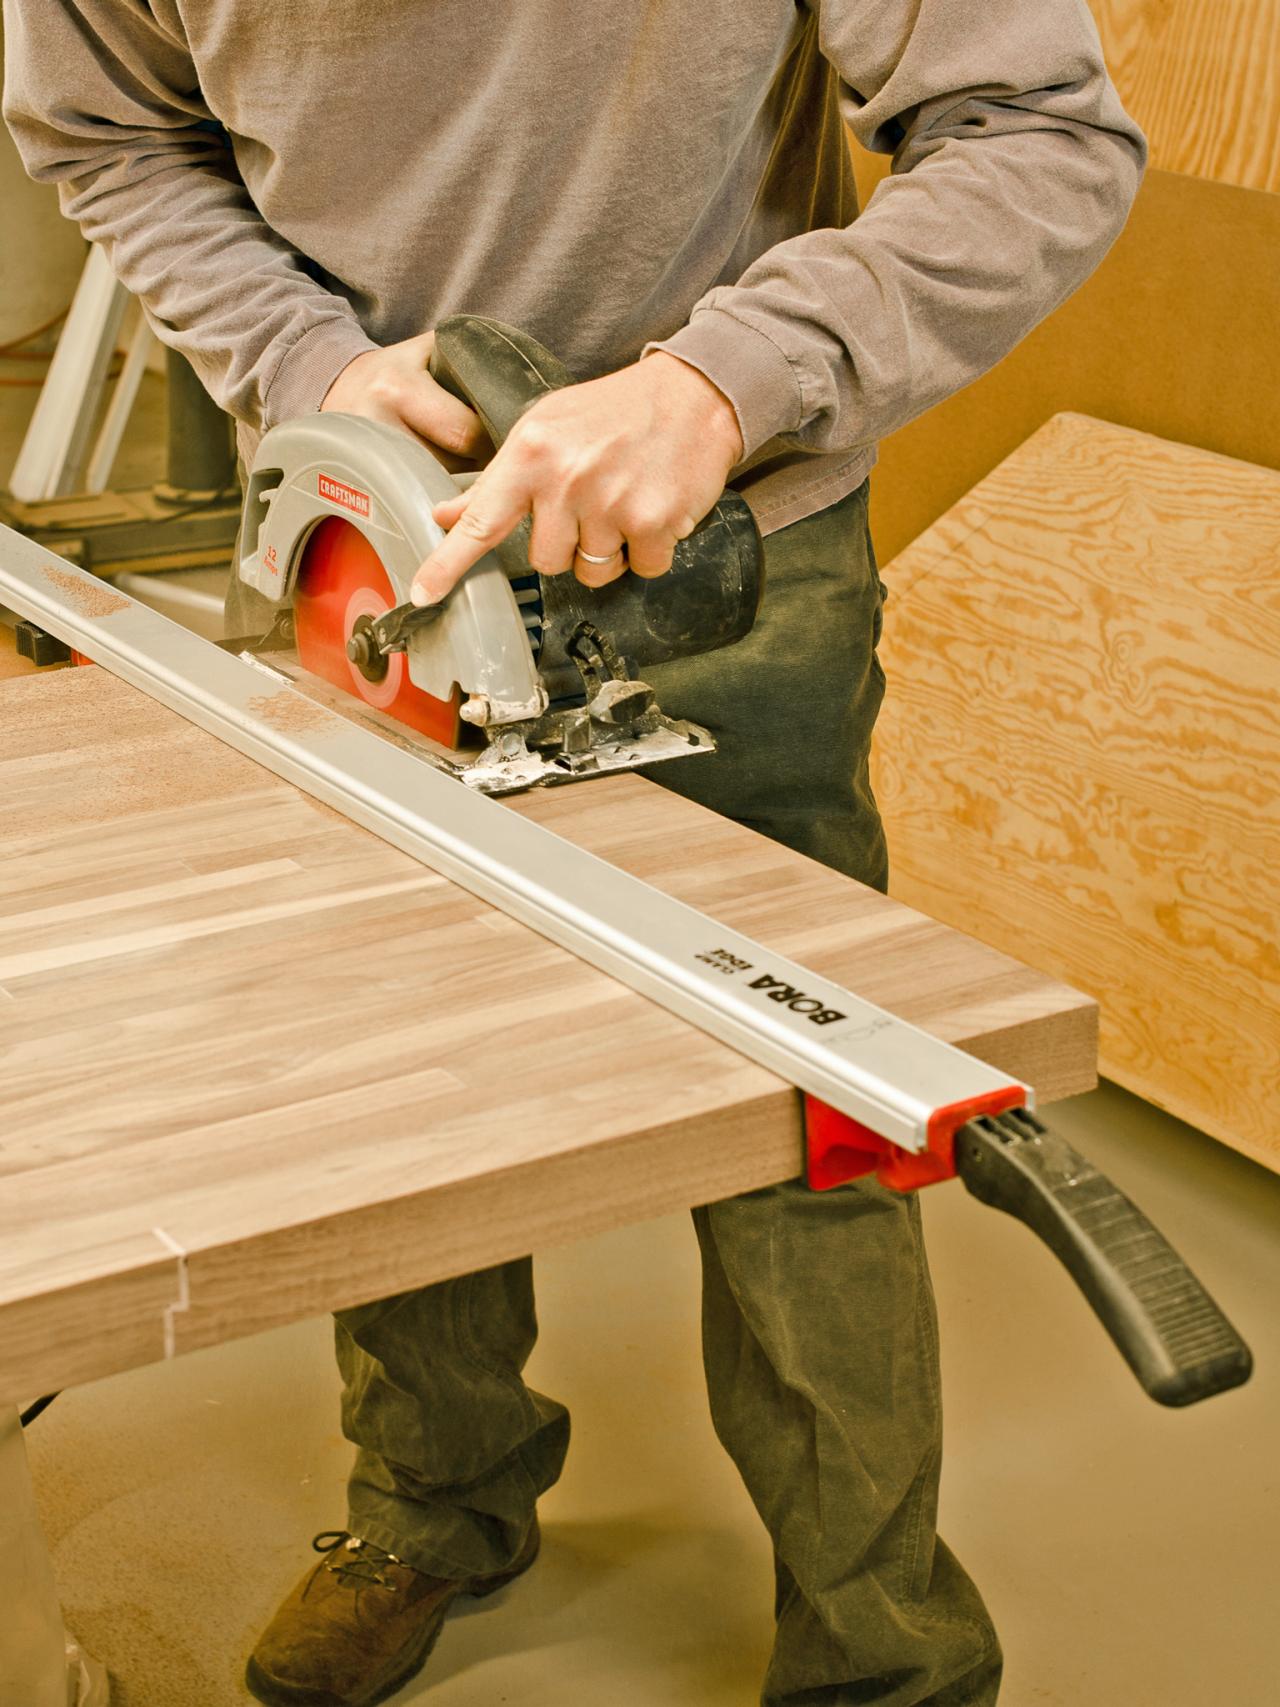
{"x":515,"y":679}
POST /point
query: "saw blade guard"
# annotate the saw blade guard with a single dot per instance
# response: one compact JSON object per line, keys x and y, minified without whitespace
{"x":378,"y":480}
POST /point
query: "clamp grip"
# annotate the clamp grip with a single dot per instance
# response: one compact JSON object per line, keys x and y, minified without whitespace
{"x":1164,"y":1324}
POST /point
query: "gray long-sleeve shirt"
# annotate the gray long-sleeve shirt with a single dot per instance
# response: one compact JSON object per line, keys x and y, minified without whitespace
{"x":286,"y":183}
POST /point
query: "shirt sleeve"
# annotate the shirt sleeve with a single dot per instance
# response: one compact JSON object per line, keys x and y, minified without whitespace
{"x":104,"y":102}
{"x":1014,"y":167}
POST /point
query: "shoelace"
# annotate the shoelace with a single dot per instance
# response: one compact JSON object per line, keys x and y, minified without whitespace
{"x":354,"y":1559}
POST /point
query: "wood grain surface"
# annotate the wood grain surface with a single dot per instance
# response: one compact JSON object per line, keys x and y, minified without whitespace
{"x":1079,"y":758}
{"x":1203,"y":81}
{"x":258,"y":1063}
{"x":1202,"y":78}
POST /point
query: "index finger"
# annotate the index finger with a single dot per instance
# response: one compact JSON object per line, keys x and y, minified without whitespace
{"x":498,"y":502}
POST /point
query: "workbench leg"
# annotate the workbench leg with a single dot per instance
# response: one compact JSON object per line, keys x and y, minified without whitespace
{"x":38,"y":1668}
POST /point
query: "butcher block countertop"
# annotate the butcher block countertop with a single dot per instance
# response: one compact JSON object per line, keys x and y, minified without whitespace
{"x":258,"y":1064}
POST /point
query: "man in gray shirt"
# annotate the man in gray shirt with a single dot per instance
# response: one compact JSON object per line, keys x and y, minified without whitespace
{"x":660,"y":191}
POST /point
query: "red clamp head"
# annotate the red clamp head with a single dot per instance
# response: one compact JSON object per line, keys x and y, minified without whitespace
{"x":840,"y":1149}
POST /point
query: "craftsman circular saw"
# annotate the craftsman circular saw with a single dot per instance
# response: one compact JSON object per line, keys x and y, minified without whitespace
{"x":516,"y":679}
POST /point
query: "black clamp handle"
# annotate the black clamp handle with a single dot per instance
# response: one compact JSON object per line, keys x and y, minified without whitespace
{"x":1166,"y":1326}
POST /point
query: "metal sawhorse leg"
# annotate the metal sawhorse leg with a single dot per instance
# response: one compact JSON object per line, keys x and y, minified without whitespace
{"x":39,"y":1665}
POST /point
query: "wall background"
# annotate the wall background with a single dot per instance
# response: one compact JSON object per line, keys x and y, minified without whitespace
{"x":1176,"y":332}
{"x":42,"y":253}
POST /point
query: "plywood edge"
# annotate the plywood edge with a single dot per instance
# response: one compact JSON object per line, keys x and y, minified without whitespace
{"x":972,"y":510}
{"x":1194,"y":1112}
{"x":1075,"y":425}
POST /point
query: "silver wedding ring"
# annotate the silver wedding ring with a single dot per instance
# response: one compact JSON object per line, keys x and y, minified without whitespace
{"x":590,"y":556}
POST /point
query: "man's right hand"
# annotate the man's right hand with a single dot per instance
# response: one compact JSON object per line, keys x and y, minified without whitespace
{"x":393,"y":385}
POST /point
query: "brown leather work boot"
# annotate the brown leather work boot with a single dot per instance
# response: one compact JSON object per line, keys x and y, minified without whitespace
{"x":359,"y":1625}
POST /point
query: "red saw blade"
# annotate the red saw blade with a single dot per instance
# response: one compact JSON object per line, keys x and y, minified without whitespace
{"x":340,"y":579}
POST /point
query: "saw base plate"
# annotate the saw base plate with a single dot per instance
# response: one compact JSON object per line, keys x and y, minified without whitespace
{"x":506,"y":765}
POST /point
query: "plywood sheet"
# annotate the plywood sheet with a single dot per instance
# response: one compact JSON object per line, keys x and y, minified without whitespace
{"x":257,"y":1063}
{"x":1079,"y":759}
{"x":1203,"y":81}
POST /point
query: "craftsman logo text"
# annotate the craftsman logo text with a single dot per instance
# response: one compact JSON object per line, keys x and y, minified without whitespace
{"x":347,"y":496}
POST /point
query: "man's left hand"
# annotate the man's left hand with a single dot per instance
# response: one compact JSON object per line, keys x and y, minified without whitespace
{"x":621,"y":468}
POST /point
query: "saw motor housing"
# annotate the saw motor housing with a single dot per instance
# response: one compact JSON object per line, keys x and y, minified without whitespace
{"x":338,"y":518}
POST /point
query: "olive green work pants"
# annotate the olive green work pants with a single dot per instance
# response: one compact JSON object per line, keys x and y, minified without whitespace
{"x":820,"y":1337}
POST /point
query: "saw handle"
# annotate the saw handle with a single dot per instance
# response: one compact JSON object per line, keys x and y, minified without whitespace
{"x":495,"y":369}
{"x":711,"y":595}
{"x":1165,"y":1325}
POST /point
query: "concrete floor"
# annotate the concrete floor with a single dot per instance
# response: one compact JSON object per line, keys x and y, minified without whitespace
{"x":1127,"y":1553}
